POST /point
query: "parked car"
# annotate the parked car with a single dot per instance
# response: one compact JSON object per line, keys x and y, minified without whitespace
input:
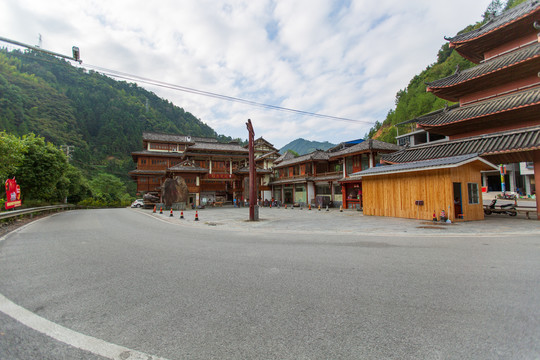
{"x":137,"y":203}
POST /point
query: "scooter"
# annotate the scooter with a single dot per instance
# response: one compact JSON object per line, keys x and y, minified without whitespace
{"x":507,"y":209}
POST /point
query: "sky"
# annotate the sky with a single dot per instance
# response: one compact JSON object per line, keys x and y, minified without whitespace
{"x":343,"y":58}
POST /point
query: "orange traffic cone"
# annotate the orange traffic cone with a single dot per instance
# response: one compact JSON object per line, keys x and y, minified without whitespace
{"x":161,"y":209}
{"x":196,"y":215}
{"x":319,"y":207}
{"x":309,"y":207}
{"x":171,"y":215}
{"x":181,"y":214}
{"x":154,"y":209}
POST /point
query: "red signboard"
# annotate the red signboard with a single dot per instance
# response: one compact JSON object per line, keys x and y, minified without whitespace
{"x":219,"y":176}
{"x":13,"y":194}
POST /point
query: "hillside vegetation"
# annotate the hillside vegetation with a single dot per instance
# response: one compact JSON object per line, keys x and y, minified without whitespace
{"x":302,"y":146}
{"x":101,"y":119}
{"x":414,"y":101}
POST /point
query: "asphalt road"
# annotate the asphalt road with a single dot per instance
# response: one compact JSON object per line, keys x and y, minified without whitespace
{"x":185,"y":292}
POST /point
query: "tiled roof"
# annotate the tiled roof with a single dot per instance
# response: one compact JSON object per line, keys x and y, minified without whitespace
{"x":288,"y":155}
{"x":367,"y":145}
{"x":267,"y":155}
{"x":505,"y":18}
{"x":441,"y":163}
{"x":507,"y":141}
{"x":476,"y":110}
{"x":258,"y":170}
{"x":151,"y":136}
{"x":157,"y":153}
{"x":316,"y":155}
{"x":147,"y":172}
{"x":185,"y":167}
{"x":206,"y":146}
{"x":488,"y":67}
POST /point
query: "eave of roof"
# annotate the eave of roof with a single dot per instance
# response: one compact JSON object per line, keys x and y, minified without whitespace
{"x":487,"y":68}
{"x":525,"y":139}
{"x":162,"y":137}
{"x":522,"y":99}
{"x":183,"y":168}
{"x":314,"y":156}
{"x":506,"y":18}
{"x":365,"y":146}
{"x":425,"y":165}
{"x":157,"y":153}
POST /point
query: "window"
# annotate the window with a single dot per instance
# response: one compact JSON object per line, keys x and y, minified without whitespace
{"x":474,"y":197}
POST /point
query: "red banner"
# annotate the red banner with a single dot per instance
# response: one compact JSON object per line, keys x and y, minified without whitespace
{"x":13,"y":194}
{"x":219,"y":176}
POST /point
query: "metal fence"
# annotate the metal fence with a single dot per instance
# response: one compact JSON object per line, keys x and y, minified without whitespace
{"x":31,"y":211}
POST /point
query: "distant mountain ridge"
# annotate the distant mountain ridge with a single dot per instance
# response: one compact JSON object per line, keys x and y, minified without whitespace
{"x":303,"y":146}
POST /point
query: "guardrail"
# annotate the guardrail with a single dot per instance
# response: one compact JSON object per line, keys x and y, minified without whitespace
{"x":32,"y":211}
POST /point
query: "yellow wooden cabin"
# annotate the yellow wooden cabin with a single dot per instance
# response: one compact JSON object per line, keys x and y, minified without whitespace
{"x":419,"y":189}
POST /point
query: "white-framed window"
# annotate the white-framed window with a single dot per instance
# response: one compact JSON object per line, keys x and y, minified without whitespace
{"x":474,"y":195}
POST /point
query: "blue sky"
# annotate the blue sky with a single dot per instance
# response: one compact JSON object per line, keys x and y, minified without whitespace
{"x":341,"y":58}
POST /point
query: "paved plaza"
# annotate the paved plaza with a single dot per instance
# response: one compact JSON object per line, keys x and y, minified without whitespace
{"x":351,"y":222}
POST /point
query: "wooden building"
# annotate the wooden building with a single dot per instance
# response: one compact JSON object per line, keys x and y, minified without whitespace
{"x":322,"y":177}
{"x":497,"y":110}
{"x":419,"y":189}
{"x":214,"y":172}
{"x":265,"y":156}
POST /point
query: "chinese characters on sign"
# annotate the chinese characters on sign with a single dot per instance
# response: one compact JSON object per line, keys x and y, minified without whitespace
{"x":13,"y":194}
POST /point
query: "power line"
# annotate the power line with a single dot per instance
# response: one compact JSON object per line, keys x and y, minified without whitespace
{"x":135,"y":78}
{"x":131,"y":77}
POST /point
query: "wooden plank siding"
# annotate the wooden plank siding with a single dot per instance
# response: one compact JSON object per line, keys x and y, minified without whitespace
{"x":394,"y":195}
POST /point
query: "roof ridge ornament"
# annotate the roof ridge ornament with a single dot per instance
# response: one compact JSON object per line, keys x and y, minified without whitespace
{"x":457,"y":72}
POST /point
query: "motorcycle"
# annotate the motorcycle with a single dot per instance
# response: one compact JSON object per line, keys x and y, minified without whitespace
{"x":506,"y":209}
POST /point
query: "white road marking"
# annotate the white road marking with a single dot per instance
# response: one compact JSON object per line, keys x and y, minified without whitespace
{"x":70,"y":337}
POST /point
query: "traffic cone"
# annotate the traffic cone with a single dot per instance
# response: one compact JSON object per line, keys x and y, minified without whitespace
{"x":309,"y":208}
{"x":340,"y":208}
{"x":161,"y":209}
{"x":154,"y":209}
{"x":285,"y":206}
{"x":181,"y":214}
{"x":171,"y":215}
{"x":434,"y":216}
{"x":319,"y":207}
{"x":196,"y":215}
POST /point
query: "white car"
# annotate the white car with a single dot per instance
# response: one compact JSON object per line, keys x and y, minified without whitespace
{"x":137,"y":203}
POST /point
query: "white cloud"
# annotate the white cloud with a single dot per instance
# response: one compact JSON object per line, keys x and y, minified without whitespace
{"x":340,"y":58}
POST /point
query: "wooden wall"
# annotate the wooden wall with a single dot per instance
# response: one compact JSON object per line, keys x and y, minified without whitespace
{"x":394,"y":195}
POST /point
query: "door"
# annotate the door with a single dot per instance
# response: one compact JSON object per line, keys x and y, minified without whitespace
{"x":458,"y":209}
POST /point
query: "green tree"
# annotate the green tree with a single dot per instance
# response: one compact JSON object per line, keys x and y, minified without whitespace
{"x":11,"y":155}
{"x":108,"y":188}
{"x":41,"y":169}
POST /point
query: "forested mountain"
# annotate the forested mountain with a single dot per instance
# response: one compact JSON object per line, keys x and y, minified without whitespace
{"x":101,"y":118}
{"x":302,"y":146}
{"x":414,"y":101}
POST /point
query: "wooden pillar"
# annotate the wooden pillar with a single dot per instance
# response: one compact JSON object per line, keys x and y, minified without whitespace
{"x":537,"y":180}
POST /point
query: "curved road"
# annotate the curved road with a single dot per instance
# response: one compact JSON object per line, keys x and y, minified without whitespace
{"x":132,"y":284}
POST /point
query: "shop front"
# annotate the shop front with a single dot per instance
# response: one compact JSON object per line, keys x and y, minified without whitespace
{"x":352,"y":195}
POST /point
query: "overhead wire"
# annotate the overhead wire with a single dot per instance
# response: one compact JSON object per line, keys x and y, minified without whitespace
{"x":162,"y":84}
{"x":136,"y":78}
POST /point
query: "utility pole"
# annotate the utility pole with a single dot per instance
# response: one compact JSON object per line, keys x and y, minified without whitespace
{"x":68,"y":150}
{"x":253,"y":208}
